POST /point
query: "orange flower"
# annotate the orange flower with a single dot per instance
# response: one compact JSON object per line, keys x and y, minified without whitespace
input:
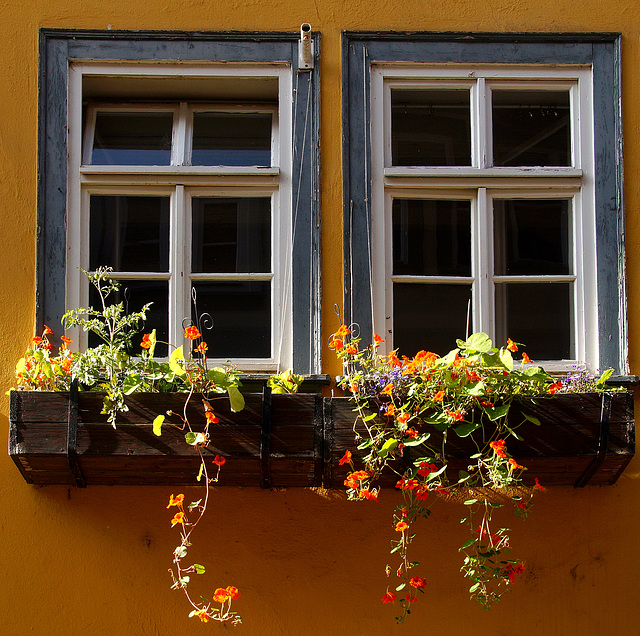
{"x":439,"y":396}
{"x":192,"y":333}
{"x":394,"y":361}
{"x":377,"y":340}
{"x":175,"y":501}
{"x":336,"y":344}
{"x":358,"y":475}
{"x":346,"y":458}
{"x":403,"y":418}
{"x":65,"y":341}
{"x":219,"y":460}
{"x":36,"y":340}
{"x":351,"y":349}
{"x":554,"y":387}
{"x":233,"y":592}
{"x":514,"y":464}
{"x":525,"y":358}
{"x":388,"y":597}
{"x":411,"y":433}
{"x":146,"y":342}
{"x":498,"y":448}
{"x":178,"y":518}
{"x":455,"y":415}
{"x":211,"y":417}
{"x":202,"y":347}
{"x":417,"y":582}
{"x":387,"y":390}
{"x":368,"y":494}
{"x":511,"y":345}
{"x":343,"y":331}
{"x":221,"y":595}
{"x":401,"y":526}
{"x":47,"y":331}
{"x":202,"y":615}
{"x":391,"y":409}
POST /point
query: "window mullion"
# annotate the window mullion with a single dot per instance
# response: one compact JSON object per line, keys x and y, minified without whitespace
{"x":483,"y":260}
{"x":479,"y":124}
{"x":180,"y":244}
{"x":180,"y":129}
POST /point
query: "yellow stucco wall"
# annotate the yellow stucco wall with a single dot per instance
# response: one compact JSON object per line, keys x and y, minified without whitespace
{"x":95,"y":561}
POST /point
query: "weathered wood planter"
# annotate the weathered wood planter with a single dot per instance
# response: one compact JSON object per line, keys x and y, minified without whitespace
{"x":289,"y":440}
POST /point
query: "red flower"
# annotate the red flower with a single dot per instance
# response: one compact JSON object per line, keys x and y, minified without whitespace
{"x":388,"y":597}
{"x":554,"y":387}
{"x":221,"y":595}
{"x":539,"y":486}
{"x":411,"y":598}
{"x":192,"y":333}
{"x":425,"y":469}
{"x":233,"y":592}
{"x":417,"y":582}
{"x":498,"y":448}
{"x":346,"y":458}
{"x":219,"y":461}
{"x":411,"y":433}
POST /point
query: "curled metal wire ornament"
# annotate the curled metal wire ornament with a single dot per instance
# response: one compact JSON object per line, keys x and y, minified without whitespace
{"x":203,"y":321}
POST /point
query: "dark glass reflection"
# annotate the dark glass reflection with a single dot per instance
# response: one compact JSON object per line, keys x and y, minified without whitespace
{"x":129,"y":233}
{"x":241,"y":313}
{"x":132,"y":139}
{"x":531,"y":128}
{"x":429,"y":317}
{"x":430,"y":127}
{"x":532,"y":236}
{"x":231,"y":235}
{"x":431,"y":237}
{"x":135,"y":294}
{"x":539,"y":315}
{"x":231,"y":139}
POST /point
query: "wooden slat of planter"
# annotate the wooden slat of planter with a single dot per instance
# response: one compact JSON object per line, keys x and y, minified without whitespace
{"x":132,"y":454}
{"x":307,"y":438}
{"x":558,"y":451}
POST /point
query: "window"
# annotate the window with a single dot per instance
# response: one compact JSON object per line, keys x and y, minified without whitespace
{"x":486,"y":182}
{"x":183,"y":176}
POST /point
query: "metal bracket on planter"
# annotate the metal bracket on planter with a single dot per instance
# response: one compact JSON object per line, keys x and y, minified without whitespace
{"x":72,"y":436}
{"x":603,"y":443}
{"x":265,"y":441}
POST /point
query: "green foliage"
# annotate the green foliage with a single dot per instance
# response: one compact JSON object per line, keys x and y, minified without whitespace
{"x":286,"y":382}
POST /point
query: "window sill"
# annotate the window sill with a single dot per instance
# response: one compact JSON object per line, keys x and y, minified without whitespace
{"x":290,"y":440}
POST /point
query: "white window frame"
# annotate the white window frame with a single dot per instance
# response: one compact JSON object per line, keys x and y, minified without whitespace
{"x":182,"y":181}
{"x":481,"y":182}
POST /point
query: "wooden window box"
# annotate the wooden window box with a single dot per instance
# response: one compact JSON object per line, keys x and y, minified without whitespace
{"x":289,"y":440}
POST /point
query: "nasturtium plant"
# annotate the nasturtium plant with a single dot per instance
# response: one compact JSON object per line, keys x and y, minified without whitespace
{"x":411,"y":408}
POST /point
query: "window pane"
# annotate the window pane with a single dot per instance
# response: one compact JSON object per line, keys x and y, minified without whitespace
{"x":231,"y":235}
{"x":135,"y":294}
{"x":241,"y":312}
{"x":430,"y":128}
{"x":132,"y":139}
{"x":231,"y":139}
{"x":539,"y":315}
{"x":531,"y":128}
{"x":431,"y":238}
{"x":429,"y":317}
{"x":129,"y":233}
{"x":531,"y":237}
